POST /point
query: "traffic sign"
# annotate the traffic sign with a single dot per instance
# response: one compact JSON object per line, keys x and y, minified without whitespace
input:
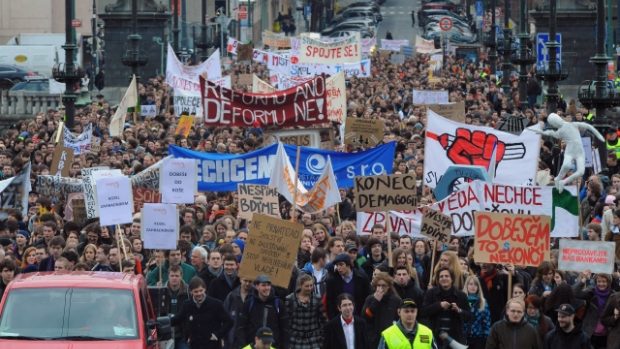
{"x":445,"y":23}
{"x":542,"y":52}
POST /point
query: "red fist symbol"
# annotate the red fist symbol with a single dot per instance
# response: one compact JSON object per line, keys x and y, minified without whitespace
{"x":472,"y":148}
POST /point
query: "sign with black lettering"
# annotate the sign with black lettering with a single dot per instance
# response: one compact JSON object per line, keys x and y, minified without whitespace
{"x":363,"y":132}
{"x":115,"y":200}
{"x":260,"y":199}
{"x":436,"y":225}
{"x":62,"y":160}
{"x":384,"y":193}
{"x":177,"y":182}
{"x":160,"y":226}
{"x":271,"y":249}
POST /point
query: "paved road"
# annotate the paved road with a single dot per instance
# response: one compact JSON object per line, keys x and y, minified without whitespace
{"x":397,"y":19}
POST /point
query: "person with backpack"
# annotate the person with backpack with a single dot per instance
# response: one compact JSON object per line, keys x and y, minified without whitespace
{"x":263,"y":309}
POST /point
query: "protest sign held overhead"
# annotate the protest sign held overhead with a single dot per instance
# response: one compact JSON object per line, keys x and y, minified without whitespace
{"x":421,"y":97}
{"x":503,"y":238}
{"x":303,"y":105}
{"x":449,"y":142}
{"x":345,"y":50}
{"x":436,"y":225}
{"x":14,"y":192}
{"x":222,"y":172}
{"x":62,"y":161}
{"x":323,"y":194}
{"x":184,"y":126}
{"x":393,"y":45}
{"x":160,"y":226}
{"x":257,"y":199}
{"x":177,"y":181}
{"x":406,"y":222}
{"x":384,"y":193}
{"x":271,"y":249}
{"x":142,"y":196}
{"x":453,"y":111}
{"x":598,"y":256}
{"x":114,"y":200}
{"x":336,"y":98}
{"x":260,"y":86}
{"x":81,"y":143}
{"x":363,"y":132}
{"x":276,"y":40}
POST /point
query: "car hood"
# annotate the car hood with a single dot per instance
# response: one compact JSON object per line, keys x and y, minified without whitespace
{"x":23,"y":344}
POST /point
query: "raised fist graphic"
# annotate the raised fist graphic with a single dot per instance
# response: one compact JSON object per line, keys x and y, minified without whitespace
{"x":472,"y":148}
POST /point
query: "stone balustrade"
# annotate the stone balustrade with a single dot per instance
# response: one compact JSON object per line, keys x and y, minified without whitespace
{"x":25,"y":104}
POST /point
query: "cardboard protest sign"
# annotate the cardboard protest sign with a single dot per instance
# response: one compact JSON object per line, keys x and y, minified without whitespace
{"x":303,"y":105}
{"x":81,"y":143}
{"x":62,"y":161}
{"x":436,"y":225}
{"x":160,"y":226}
{"x":577,"y":255}
{"x":452,"y":111}
{"x":503,"y":238}
{"x":259,"y":199}
{"x":244,"y":79}
{"x":386,"y":192}
{"x":142,"y":196}
{"x":177,"y":181}
{"x":276,"y":40}
{"x":148,"y":110}
{"x":302,"y":138}
{"x":336,"y":98}
{"x":244,"y":52}
{"x":79,"y":211}
{"x":271,"y":249}
{"x":184,"y":126}
{"x":260,"y":86}
{"x":363,"y":132}
{"x":346,"y":50}
{"x":421,"y":97}
{"x":114,"y":200}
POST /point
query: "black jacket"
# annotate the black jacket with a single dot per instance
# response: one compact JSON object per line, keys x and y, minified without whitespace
{"x":380,"y":315}
{"x":412,"y":291}
{"x":497,"y":295}
{"x":218,"y":288}
{"x":575,"y":339}
{"x":508,"y":335}
{"x":334,"y":334}
{"x":439,"y":319}
{"x":255,"y":311}
{"x":204,"y":321}
{"x":335,"y":286}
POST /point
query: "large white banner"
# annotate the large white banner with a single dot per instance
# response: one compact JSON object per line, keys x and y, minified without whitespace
{"x":449,"y":143}
{"x":347,"y":50}
{"x":80,"y":143}
{"x":425,"y":46}
{"x":336,"y":98}
{"x":184,"y":79}
{"x":393,"y":45}
{"x":480,"y":196}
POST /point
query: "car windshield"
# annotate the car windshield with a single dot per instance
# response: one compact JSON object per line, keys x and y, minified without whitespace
{"x":71,"y":313}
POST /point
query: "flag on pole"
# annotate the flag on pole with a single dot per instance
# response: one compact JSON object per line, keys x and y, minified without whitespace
{"x":323,"y":195}
{"x":130,"y":99}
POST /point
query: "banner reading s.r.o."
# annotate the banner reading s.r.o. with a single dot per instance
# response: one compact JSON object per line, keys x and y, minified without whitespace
{"x":177,"y":181}
{"x":502,"y":238}
{"x":302,"y":105}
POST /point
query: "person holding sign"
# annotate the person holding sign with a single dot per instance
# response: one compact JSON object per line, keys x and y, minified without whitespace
{"x":597,"y":299}
{"x":446,"y":308}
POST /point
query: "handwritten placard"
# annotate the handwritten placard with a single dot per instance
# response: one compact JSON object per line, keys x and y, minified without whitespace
{"x":503,"y":238}
{"x":436,"y":225}
{"x":257,"y":199}
{"x":576,"y":255}
{"x":271,"y":249}
{"x":386,"y":192}
{"x":363,"y":132}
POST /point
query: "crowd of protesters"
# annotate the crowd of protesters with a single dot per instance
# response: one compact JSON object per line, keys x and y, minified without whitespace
{"x":344,"y":292}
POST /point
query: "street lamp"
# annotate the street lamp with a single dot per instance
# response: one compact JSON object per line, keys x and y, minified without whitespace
{"x":132,"y":57}
{"x":524,"y":56}
{"x":553,"y":72}
{"x":491,"y":41}
{"x":506,"y":50}
{"x":70,"y":73}
{"x":203,"y":32}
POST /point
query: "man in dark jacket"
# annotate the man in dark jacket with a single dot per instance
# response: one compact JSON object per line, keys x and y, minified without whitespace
{"x":262,"y":308}
{"x":335,"y":337}
{"x":206,"y":320}
{"x":567,"y":336}
{"x":221,"y":286}
{"x":406,"y":287}
{"x":175,"y":293}
{"x":494,"y":283}
{"x":345,"y":280}
{"x":513,"y":332}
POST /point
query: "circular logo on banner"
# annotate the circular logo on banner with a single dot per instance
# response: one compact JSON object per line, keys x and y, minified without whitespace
{"x":315,"y":164}
{"x":445,"y":23}
{"x":445,"y":186}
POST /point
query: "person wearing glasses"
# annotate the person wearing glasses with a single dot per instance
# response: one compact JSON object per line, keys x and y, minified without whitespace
{"x":513,"y":332}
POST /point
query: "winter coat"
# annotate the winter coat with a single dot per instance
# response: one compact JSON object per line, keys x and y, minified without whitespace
{"x":593,"y":313}
{"x":253,"y":314}
{"x":497,"y":295}
{"x":335,"y":285}
{"x":153,"y":276}
{"x":507,"y":335}
{"x":439,"y":319}
{"x":334,"y":334}
{"x":412,"y":291}
{"x":218,"y":288}
{"x":233,"y":304}
{"x":203,"y":322}
{"x":575,"y":339}
{"x":612,"y":324}
{"x":380,"y":315}
{"x":306,"y":322}
{"x":480,"y":323}
{"x":319,"y":285}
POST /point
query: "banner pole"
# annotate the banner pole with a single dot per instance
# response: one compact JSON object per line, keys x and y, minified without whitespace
{"x":433,"y":254}
{"x":121,"y":241}
{"x":59,"y":132}
{"x":159,"y":266}
{"x":510,"y":285}
{"x":294,"y":215}
{"x":388,"y":239}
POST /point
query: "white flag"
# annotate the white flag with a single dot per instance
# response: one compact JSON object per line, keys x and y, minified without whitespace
{"x":323,"y":195}
{"x":130,"y":99}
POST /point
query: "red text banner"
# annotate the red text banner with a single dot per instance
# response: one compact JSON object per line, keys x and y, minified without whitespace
{"x":597,"y":256}
{"x":347,"y":50}
{"x":302,"y":105}
{"x":508,"y":238}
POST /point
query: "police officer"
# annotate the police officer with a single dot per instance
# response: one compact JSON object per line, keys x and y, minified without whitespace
{"x":263,"y":339}
{"x":205,"y":318}
{"x":407,"y":332}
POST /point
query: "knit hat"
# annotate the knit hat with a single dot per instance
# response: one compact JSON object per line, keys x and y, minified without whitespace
{"x":239,"y":243}
{"x":24,"y":233}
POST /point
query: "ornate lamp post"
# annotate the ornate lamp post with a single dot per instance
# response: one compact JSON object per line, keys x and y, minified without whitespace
{"x":132,"y":57}
{"x":491,"y":41}
{"x":553,"y":72}
{"x":524,"y":56}
{"x":506,"y":50}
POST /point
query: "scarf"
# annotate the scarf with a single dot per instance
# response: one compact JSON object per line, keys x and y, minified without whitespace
{"x":472,"y":299}
{"x":488,"y":278}
{"x":533,"y":320}
{"x":601,"y":298}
